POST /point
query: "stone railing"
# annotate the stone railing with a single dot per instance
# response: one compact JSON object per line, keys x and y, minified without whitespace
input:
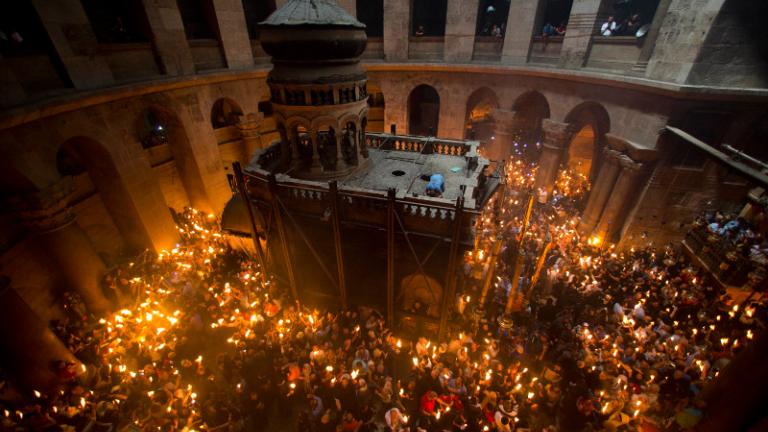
{"x":360,"y":206}
{"x":418,"y":144}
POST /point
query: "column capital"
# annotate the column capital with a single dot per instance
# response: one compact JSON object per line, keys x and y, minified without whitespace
{"x":629,"y":165}
{"x":44,"y":210}
{"x":250,"y":124}
{"x":556,"y":133}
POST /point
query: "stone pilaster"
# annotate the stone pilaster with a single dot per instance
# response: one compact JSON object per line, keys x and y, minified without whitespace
{"x":556,"y":137}
{"x":582,"y":25}
{"x":249,"y":131}
{"x":397,"y":29}
{"x":601,"y":189}
{"x":681,"y":39}
{"x":520,"y":29}
{"x":460,"y":24}
{"x":168,"y":35}
{"x":29,"y":346}
{"x":612,"y":219}
{"x":233,"y":33}
{"x":45,"y":213}
{"x":507,"y":129}
{"x":75,"y":43}
{"x":651,"y":37}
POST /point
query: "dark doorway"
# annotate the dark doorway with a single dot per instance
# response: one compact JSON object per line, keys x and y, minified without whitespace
{"x":428,"y":17}
{"x":492,"y":18}
{"x":423,"y":111}
{"x":256,"y":12}
{"x":371,"y":13}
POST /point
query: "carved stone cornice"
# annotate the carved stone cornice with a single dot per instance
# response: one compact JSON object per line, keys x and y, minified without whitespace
{"x":556,"y":134}
{"x":44,"y":210}
{"x":629,"y":165}
{"x":250,"y":124}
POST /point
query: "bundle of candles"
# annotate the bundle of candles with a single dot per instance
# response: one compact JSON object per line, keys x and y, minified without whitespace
{"x":208,"y":340}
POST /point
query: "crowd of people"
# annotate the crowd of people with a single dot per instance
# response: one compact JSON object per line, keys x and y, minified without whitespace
{"x":623,"y":27}
{"x":205,"y":340}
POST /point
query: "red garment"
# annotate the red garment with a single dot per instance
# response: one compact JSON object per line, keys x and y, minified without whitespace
{"x":427,"y":405}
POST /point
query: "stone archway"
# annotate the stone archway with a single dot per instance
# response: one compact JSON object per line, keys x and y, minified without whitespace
{"x":478,"y":121}
{"x":423,"y":289}
{"x":94,"y":171}
{"x":588,"y":123}
{"x":423,"y":111}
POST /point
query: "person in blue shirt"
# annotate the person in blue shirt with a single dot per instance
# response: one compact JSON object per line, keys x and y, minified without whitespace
{"x":436,"y":185}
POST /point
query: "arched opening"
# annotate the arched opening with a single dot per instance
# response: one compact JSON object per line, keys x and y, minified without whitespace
{"x":376,"y":108}
{"x":421,"y":294}
{"x":590,"y":122}
{"x":326,"y":147}
{"x":349,"y":143}
{"x":428,"y":17}
{"x":225,"y":112}
{"x":423,"y":111}
{"x":301,"y":141}
{"x":104,"y":206}
{"x":530,"y":109}
{"x":371,"y":13}
{"x":170,"y":154}
{"x":581,"y":151}
{"x":478,"y":123}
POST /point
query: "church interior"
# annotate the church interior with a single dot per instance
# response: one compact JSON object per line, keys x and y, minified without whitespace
{"x":383,"y":215}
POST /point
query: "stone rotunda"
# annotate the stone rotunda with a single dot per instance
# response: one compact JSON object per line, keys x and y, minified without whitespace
{"x":318,"y":88}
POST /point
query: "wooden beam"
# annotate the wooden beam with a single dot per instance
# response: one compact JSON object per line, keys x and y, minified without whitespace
{"x":283,"y":236}
{"x":333,"y":195}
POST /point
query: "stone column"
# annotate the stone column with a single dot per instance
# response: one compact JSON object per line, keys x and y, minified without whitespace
{"x":556,"y":137}
{"x":460,"y":24}
{"x":13,"y":93}
{"x":30,"y":348}
{"x":249,"y":131}
{"x":168,"y":36}
{"x":507,"y":128}
{"x":340,"y":162}
{"x":316,"y":166}
{"x":397,"y":29}
{"x":233,"y":33}
{"x":650,"y":38}
{"x":612,"y":219}
{"x":601,"y":189}
{"x":70,"y":32}
{"x":45,"y":213}
{"x":581,"y":27}
{"x":521,"y":24}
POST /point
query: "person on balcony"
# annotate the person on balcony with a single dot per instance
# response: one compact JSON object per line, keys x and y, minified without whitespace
{"x":549,"y":30}
{"x":560,"y":30}
{"x":609,"y":27}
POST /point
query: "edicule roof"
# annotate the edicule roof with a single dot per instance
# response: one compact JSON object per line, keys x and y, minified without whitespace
{"x":312,"y":12}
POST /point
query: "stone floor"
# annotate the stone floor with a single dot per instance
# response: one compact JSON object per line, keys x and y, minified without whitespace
{"x":404,"y":170}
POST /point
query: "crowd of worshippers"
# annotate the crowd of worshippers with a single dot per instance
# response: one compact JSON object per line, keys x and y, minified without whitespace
{"x":737,"y":233}
{"x":607,"y":341}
